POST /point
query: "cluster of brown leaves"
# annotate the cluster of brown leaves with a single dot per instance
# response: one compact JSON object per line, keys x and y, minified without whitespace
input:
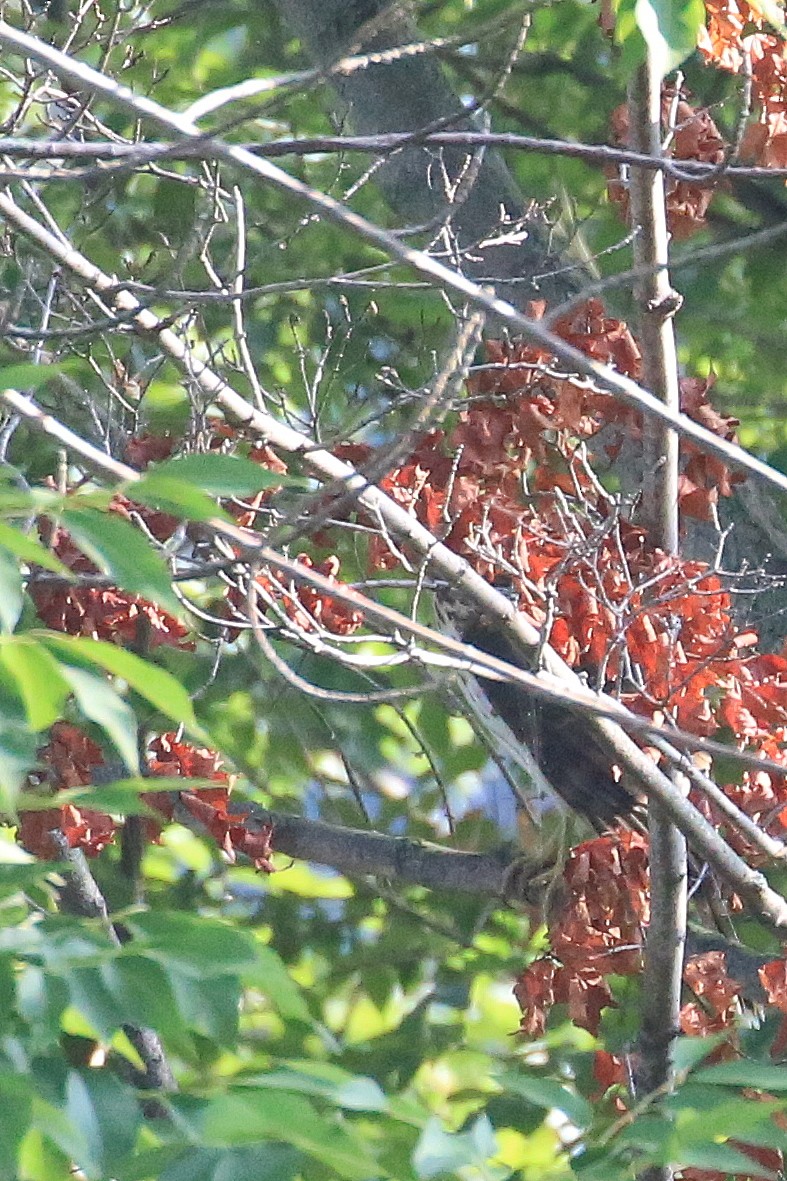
{"x":69,"y":760}
{"x":105,"y":613}
{"x":108,"y":613}
{"x":509,"y":488}
{"x":694,"y":137}
{"x":169,"y":756}
{"x":598,"y":934}
{"x":310,"y":609}
{"x":738,"y":39}
{"x":605,"y":906}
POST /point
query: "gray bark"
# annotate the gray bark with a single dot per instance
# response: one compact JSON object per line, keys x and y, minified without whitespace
{"x":408,"y":95}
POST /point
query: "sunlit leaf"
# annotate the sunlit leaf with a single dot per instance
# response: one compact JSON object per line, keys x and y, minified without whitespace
{"x":122,"y":552}
{"x":155,"y":684}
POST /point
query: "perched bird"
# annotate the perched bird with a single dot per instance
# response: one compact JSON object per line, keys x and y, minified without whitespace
{"x":560,"y":741}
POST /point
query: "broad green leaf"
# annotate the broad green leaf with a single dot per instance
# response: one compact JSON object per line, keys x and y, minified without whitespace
{"x":165,"y":409}
{"x":762,"y":1075}
{"x":29,"y":376}
{"x":30,"y":549}
{"x":670,"y":29}
{"x":41,"y":998}
{"x":547,"y":1093}
{"x":237,"y":1118}
{"x":725,"y":1159}
{"x":440,"y":1151}
{"x":117,"y":798}
{"x":142,"y":991}
{"x":99,"y":702}
{"x":215,"y":473}
{"x":193,"y":943}
{"x":270,"y":975}
{"x":155,"y":684}
{"x":39,"y":681}
{"x":108,"y":1115}
{"x":18,"y":743}
{"x":55,"y":1125}
{"x":11,"y":591}
{"x":16,"y":1101}
{"x":122,"y":797}
{"x":327,"y":1081}
{"x":690,"y":1051}
{"x":123,"y":553}
{"x":209,"y":1004}
{"x":175,"y":496}
{"x":264,"y":1162}
{"x":92,"y":999}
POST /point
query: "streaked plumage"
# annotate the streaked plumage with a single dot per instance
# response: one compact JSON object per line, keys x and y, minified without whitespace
{"x":559,"y":740}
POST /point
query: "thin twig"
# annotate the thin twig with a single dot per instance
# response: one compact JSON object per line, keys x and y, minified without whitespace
{"x":440,"y":275}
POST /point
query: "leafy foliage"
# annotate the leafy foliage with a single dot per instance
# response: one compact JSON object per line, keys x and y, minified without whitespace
{"x":321,"y":1026}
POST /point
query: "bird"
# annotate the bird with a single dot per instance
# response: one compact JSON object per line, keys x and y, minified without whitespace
{"x":557,"y":742}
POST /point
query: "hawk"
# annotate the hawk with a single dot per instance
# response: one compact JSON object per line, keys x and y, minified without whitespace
{"x":559,"y":741}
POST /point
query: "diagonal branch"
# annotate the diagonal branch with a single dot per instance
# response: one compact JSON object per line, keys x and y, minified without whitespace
{"x":607,"y":379}
{"x":751,"y":885}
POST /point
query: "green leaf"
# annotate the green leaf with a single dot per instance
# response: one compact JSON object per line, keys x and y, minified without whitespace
{"x":213,"y":472}
{"x":143,"y":992}
{"x":11,"y":591}
{"x":327,"y":1081}
{"x":670,"y":29}
{"x":108,"y":1115}
{"x":16,"y":1104}
{"x":59,"y":1130}
{"x":18,"y":743}
{"x":237,"y":1118}
{"x":264,"y":1162}
{"x":123,"y":553}
{"x":155,"y":684}
{"x":547,"y":1093}
{"x":91,"y":997}
{"x":175,"y":496}
{"x":440,"y":1151}
{"x":29,"y":376}
{"x":762,"y":1075}
{"x":120,"y":799}
{"x":39,"y":681}
{"x":690,"y":1051}
{"x":725,"y":1159}
{"x":30,"y":549}
{"x":100,"y":703}
{"x":41,"y":999}
{"x":270,"y":975}
{"x":195,"y":944}
{"x":208,"y":1004}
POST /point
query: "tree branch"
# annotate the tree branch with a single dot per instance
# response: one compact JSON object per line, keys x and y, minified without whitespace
{"x":666,"y":933}
{"x":561,"y":681}
{"x":135,"y":155}
{"x":79,"y":895}
{"x":605,"y":378}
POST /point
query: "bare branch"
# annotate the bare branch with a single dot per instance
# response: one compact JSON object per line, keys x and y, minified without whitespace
{"x":750,"y":884}
{"x":607,"y":379}
{"x":132,"y":155}
{"x":657,"y":303}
